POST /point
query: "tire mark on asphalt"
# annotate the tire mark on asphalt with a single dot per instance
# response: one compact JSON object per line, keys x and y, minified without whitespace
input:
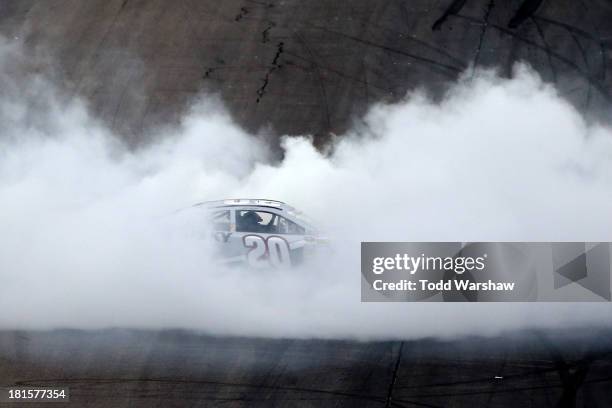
{"x":261,"y":3}
{"x":602,"y":46}
{"x":577,"y":31}
{"x":425,"y":44}
{"x":366,"y":86}
{"x":526,"y":10}
{"x":596,"y":84}
{"x":571,"y":374}
{"x":110,"y":381}
{"x":96,"y":49}
{"x":547,"y":49}
{"x":483,"y":32}
{"x":332,"y":70}
{"x":454,"y":8}
{"x":487,"y":392}
{"x":396,"y":367}
{"x":585,"y":58}
{"x":322,"y":90}
{"x":447,"y":69}
{"x":551,"y":368}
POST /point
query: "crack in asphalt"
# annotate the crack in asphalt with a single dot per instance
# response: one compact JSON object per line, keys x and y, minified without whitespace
{"x":243,"y":12}
{"x":265,"y":34}
{"x":275,"y":65}
{"x":396,"y":367}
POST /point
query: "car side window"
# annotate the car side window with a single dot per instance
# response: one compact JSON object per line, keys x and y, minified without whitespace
{"x":256,"y":221}
{"x":265,"y":222}
{"x":221,"y":220}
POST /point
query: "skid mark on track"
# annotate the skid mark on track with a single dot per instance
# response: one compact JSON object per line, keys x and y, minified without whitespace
{"x":261,"y":3}
{"x":575,"y":31}
{"x":412,"y":38}
{"x":585,"y":58}
{"x":601,"y":88}
{"x":315,"y":65}
{"x":525,"y":11}
{"x":170,"y":381}
{"x":318,"y":66}
{"x":547,"y":49}
{"x":483,"y":32}
{"x":454,"y":8}
{"x":446,"y":69}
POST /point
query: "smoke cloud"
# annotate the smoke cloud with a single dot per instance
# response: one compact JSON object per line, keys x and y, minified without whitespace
{"x":90,"y":237}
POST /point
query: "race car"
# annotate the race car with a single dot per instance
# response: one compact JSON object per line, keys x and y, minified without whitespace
{"x":261,"y":233}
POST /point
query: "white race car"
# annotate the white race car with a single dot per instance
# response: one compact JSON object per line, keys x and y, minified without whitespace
{"x":262,"y":233}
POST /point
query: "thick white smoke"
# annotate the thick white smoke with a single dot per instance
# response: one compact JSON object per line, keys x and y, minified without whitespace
{"x":89,"y":239}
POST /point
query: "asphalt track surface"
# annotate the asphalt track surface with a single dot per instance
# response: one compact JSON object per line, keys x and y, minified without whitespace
{"x":128,"y":368}
{"x":303,"y":67}
{"x":306,"y":67}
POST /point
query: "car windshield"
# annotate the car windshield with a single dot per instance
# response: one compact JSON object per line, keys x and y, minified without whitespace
{"x":304,"y":220}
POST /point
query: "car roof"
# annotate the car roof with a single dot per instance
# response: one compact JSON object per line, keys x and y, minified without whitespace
{"x":252,"y":202}
{"x":288,"y":210}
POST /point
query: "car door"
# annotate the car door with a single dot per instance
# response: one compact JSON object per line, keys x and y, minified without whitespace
{"x":267,"y":237}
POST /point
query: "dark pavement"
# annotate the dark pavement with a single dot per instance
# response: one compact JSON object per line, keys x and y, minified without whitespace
{"x":129,"y":368}
{"x":303,"y":67}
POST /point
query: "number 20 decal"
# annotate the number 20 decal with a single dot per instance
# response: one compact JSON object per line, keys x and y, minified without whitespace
{"x":264,"y":252}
